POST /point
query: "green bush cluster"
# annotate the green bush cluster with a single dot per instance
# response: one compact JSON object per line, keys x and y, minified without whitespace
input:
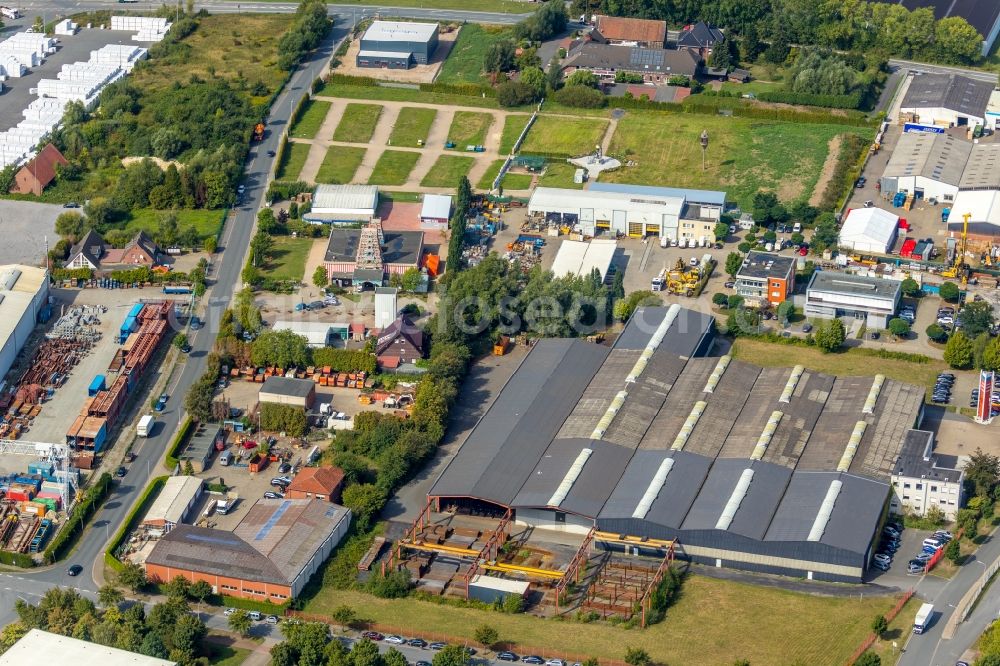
{"x":173,"y":453}
{"x":16,"y":559}
{"x":283,"y":189}
{"x":60,"y":274}
{"x":344,"y":360}
{"x":311,"y":24}
{"x":145,"y":501}
{"x":288,"y":419}
{"x":852,"y":101}
{"x":253,"y":605}
{"x":852,"y":150}
{"x":198,"y":401}
{"x":85,"y":506}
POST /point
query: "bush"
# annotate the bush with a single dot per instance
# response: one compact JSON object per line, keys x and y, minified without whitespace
{"x":393,"y":585}
{"x":852,"y":101}
{"x":173,"y":460}
{"x":344,"y":360}
{"x":85,"y":506}
{"x":16,"y":559}
{"x":936,"y":333}
{"x":581,"y":97}
{"x":515,"y":93}
{"x":145,"y":501}
{"x":949,"y":291}
{"x":265,"y":607}
{"x":288,"y":419}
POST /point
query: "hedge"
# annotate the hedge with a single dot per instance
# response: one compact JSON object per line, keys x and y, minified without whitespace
{"x":253,"y":605}
{"x":16,"y":559}
{"x":466,"y":89}
{"x":713,"y":105}
{"x":852,"y":101}
{"x":60,"y":274}
{"x":172,"y":459}
{"x":85,"y":506}
{"x":145,"y":501}
{"x":344,"y":360}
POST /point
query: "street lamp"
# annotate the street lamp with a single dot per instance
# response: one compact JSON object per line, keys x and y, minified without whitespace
{"x":704,"y":147}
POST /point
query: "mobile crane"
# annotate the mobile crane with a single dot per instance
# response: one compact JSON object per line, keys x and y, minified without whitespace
{"x":959,"y":268}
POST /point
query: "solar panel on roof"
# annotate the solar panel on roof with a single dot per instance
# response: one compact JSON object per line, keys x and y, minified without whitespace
{"x":222,"y":541}
{"x":273,"y":520}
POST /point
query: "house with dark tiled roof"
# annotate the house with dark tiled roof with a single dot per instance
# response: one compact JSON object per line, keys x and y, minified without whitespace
{"x":35,"y":176}
{"x":93,"y":252}
{"x":654,"y":65}
{"x":699,"y":38}
{"x":401,"y":342}
{"x":632,"y":31}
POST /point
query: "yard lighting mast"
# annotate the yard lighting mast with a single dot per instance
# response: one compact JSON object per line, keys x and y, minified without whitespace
{"x":704,"y":147}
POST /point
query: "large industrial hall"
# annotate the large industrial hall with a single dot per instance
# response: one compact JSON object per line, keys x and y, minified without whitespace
{"x":654,"y":443}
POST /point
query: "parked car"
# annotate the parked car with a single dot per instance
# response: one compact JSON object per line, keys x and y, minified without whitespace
{"x":273,"y":495}
{"x":395,"y":640}
{"x":945,"y":534}
{"x":417,"y":642}
{"x":437,"y":646}
{"x":71,"y":204}
{"x":914,"y":569}
{"x":271,"y":153}
{"x":285,"y":468}
{"x":881,"y":566}
{"x":317,"y":305}
{"x":532,"y":659}
{"x":121,"y":472}
{"x":730,"y":284}
{"x":881,"y":557}
{"x":272,"y":619}
{"x":507,"y":656}
{"x":281,"y":481}
{"x":372,"y":636}
{"x":860,"y":182}
{"x":254,"y":615}
{"x":74,"y":570}
{"x":806,"y":327}
{"x":922,"y":558}
{"x":229,"y":611}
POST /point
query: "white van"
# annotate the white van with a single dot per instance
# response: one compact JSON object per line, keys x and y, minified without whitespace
{"x":226,"y":458}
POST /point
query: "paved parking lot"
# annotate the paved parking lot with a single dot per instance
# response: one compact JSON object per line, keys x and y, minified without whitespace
{"x":25,"y":226}
{"x":896,"y":576}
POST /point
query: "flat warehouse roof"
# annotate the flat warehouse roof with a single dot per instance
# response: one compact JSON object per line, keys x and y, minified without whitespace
{"x":854,"y":285}
{"x":345,"y":197}
{"x":558,"y":200}
{"x":400,"y":247}
{"x":401,"y":31}
{"x":288,"y":386}
{"x":940,"y":157}
{"x":580,"y":258}
{"x":43,"y":647}
{"x":711,"y":197}
{"x":948,"y":91}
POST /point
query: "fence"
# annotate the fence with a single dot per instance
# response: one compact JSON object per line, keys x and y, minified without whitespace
{"x":361,"y":625}
{"x":517,"y":146}
{"x":965,"y":606}
{"x":889,"y":617}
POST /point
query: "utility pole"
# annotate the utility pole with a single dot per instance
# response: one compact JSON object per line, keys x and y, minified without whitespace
{"x":704,"y":147}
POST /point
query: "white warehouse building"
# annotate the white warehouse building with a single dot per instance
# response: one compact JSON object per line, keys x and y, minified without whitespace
{"x":832,"y":295}
{"x":948,"y":100}
{"x":24,"y":291}
{"x":869,"y":230}
{"x":927,"y":165}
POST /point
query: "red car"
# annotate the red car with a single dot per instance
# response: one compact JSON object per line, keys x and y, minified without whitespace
{"x":372,"y":635}
{"x":803,"y":251}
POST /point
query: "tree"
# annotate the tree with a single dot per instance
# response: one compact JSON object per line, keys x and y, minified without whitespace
{"x":365,"y":653}
{"x":394,"y":657}
{"x":180,"y":340}
{"x":982,"y":473}
{"x":958,"y":353}
{"x":734,"y":261}
{"x":187,"y":635}
{"x":750,"y":45}
{"x":513,"y":604}
{"x":535,"y":78}
{"x":310,"y":641}
{"x":953,"y":551}
{"x":283,"y":349}
{"x":200,"y":591}
{"x":499,"y":57}
{"x":879,"y":625}
{"x":320,"y":277}
{"x":991,"y":355}
{"x":583,"y":77}
{"x":486,"y":634}
{"x":721,"y":231}
{"x":282,"y":654}
{"x":515,"y":93}
{"x":977,"y":318}
{"x":240,"y":622}
{"x":635,"y":656}
{"x":830,"y":335}
{"x":344,"y":615}
{"x":210,"y":245}
{"x":364,"y":500}
{"x":949,"y":291}
{"x":957,"y":41}
{"x":152,"y":646}
{"x":132,"y":576}
{"x":109,"y":595}
{"x":909,"y":287}
{"x":544,"y":24}
{"x":719,"y":299}
{"x":735,"y":301}
{"x":899,"y":327}
{"x":936,"y":333}
{"x":725,"y":54}
{"x":451,"y":655}
{"x":826,"y":233}
{"x":868,"y":658}
{"x":777,"y":52}
{"x":72,"y":225}
{"x":786,"y":310}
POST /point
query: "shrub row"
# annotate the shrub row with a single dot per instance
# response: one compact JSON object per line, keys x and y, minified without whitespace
{"x":467,"y":89}
{"x":712,"y":105}
{"x":845,"y":171}
{"x":265,"y":607}
{"x":286,"y":189}
{"x":16,"y":559}
{"x":172,"y":459}
{"x":85,"y":506}
{"x":344,"y":360}
{"x":60,"y":274}
{"x":852,"y":101}
{"x":145,"y":501}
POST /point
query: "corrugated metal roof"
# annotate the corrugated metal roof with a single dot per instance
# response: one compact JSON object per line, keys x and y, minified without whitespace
{"x":400,"y":31}
{"x":357,"y":198}
{"x":174,"y":499}
{"x":710,"y":197}
{"x":675,"y":497}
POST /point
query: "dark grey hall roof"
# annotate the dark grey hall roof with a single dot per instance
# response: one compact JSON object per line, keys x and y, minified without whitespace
{"x":509,"y":440}
{"x":300,"y":388}
{"x":214,"y":552}
{"x":948,"y":91}
{"x":758,"y":505}
{"x":856,"y":511}
{"x":591,"y":488}
{"x":683,"y":336}
{"x":675,"y":497}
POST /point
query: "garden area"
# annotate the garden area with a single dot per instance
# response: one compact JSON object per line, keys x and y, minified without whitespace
{"x":447,"y":171}
{"x":310,"y":119}
{"x":564,"y":136}
{"x":413,"y":124}
{"x":340,"y":164}
{"x":292,"y":160}
{"x":559,"y":174}
{"x":286,"y":259}
{"x":393,"y":167}
{"x":513,"y":125}
{"x":465,"y":62}
{"x":469,"y":128}
{"x":357,"y":125}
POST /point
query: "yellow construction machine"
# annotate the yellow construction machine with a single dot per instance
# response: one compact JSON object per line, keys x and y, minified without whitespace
{"x":959,"y":268}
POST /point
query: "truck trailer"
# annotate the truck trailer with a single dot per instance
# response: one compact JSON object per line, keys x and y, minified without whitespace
{"x":923,"y":618}
{"x":145,"y":427}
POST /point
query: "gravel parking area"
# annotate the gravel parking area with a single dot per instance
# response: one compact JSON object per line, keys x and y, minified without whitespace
{"x":896,"y":576}
{"x":25,"y":225}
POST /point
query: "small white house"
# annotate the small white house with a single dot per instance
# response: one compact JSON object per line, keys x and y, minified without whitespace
{"x":869,"y":230}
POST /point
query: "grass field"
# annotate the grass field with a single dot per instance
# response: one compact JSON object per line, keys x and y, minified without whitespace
{"x":412,"y":125}
{"x":292,"y":161}
{"x":564,"y":136}
{"x":559,"y":174}
{"x":512,"y":127}
{"x":469,"y":128}
{"x":376,"y":93}
{"x":465,"y":62}
{"x":499,"y":6}
{"x":713,"y":622}
{"x":486,"y":182}
{"x":312,"y":116}
{"x":358,"y":123}
{"x":287,"y":260}
{"x":744,"y":155}
{"x":207,"y":222}
{"x":223,"y":47}
{"x":224,"y":655}
{"x":857,"y":361}
{"x":447,"y":170}
{"x":516,"y":181}
{"x":339,"y":165}
{"x":393,"y":167}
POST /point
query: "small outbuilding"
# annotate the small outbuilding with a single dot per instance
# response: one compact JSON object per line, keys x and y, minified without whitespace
{"x":174,"y":503}
{"x":869,"y":230}
{"x":871,"y":299}
{"x":36,"y":175}
{"x":322,"y":483}
{"x":343,"y":204}
{"x":436,"y":211}
{"x":288,"y":391}
{"x":397,"y":44}
{"x":316,"y":333}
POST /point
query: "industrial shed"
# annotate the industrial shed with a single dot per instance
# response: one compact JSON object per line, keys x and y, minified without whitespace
{"x":343,"y":204}
{"x":435,"y":211}
{"x":43,"y":647}
{"x":927,"y":165}
{"x":316,"y":333}
{"x":24,"y":292}
{"x":781,"y":470}
{"x":270,"y":556}
{"x":872,"y":299}
{"x":869,"y":230}
{"x":948,"y":100}
{"x":578,"y":258}
{"x":202,"y":445}
{"x":397,"y":44}
{"x":174,"y":503}
{"x":288,"y":391}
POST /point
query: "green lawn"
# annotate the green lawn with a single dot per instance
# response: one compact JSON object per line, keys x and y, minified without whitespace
{"x":469,"y":128}
{"x":312,"y":116}
{"x":412,"y":125}
{"x":207,"y":222}
{"x":744,"y":155}
{"x":358,"y":123}
{"x":465,"y":62}
{"x":447,"y":171}
{"x":713,"y":622}
{"x":224,"y":655}
{"x":560,"y":135}
{"x":486,"y":182}
{"x":516,"y":181}
{"x":287,"y":260}
{"x":496,"y":6}
{"x":393,"y":167}
{"x":559,"y":174}
{"x":513,"y":125}
{"x":292,"y":161}
{"x":343,"y":91}
{"x":339,"y":165}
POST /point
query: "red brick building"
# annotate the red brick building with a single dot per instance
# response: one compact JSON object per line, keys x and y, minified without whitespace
{"x":322,"y":483}
{"x":35,"y":176}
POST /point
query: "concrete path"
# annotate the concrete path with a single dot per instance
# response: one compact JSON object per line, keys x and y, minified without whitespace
{"x":608,"y":135}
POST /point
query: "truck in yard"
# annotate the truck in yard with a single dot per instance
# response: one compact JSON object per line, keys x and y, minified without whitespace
{"x":224,"y":506}
{"x":923,"y":618}
{"x":10,"y":12}
{"x":145,"y":427}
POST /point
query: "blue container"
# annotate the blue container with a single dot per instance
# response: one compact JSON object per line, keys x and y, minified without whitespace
{"x":97,"y":385}
{"x":102,"y":435}
{"x":136,"y":309}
